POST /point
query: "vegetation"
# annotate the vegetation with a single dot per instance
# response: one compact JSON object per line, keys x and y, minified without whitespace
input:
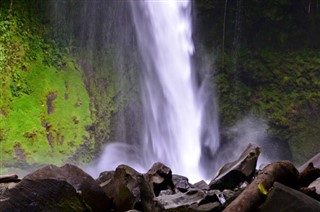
{"x":61,"y":89}
{"x":44,"y":105}
{"x":267,"y":63}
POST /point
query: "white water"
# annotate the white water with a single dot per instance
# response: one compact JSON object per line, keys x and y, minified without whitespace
{"x":174,"y":118}
{"x":173,"y":112}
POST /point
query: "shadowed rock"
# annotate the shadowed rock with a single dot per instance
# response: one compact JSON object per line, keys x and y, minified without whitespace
{"x":129,"y":190}
{"x":41,"y":195}
{"x":84,"y":184}
{"x":308,"y":175}
{"x":283,"y":198}
{"x":233,"y":173}
{"x":315,"y":160}
{"x":160,"y":178}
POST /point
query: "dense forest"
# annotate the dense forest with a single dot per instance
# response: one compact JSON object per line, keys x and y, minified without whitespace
{"x":60,"y":102}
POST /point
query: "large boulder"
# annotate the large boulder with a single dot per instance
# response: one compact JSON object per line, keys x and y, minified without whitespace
{"x":41,"y":195}
{"x":286,"y":199}
{"x":159,"y":178}
{"x":128,"y":189}
{"x":84,"y":184}
{"x":233,"y":173}
{"x":308,"y":175}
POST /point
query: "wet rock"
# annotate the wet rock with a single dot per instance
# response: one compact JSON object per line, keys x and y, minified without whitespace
{"x":181,"y":183}
{"x":105,"y":177}
{"x":181,"y":200}
{"x":311,"y":192}
{"x":9,"y":178}
{"x":233,"y":173}
{"x":129,"y":190}
{"x":166,"y":192}
{"x":315,"y":160}
{"x":316,"y":184}
{"x":160,"y":178}
{"x":84,"y":184}
{"x":252,"y":197}
{"x":308,"y":175}
{"x":283,"y":198}
{"x":201,"y":185}
{"x":42,"y":195}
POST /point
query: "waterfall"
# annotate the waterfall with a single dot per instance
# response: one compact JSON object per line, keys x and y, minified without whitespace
{"x":174,"y":113}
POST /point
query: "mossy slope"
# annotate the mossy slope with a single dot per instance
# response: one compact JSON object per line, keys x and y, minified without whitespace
{"x":44,"y":105}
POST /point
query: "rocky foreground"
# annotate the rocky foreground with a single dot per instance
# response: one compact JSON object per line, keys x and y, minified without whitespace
{"x":238,"y":186}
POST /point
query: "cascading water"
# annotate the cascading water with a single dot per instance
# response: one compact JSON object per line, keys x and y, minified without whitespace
{"x":173,"y":110}
{"x":173,"y":116}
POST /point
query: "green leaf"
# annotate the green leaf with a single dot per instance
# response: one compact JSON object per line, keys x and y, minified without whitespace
{"x":262,"y":189}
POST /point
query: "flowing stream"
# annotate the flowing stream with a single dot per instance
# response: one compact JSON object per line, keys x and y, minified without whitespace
{"x":173,"y":109}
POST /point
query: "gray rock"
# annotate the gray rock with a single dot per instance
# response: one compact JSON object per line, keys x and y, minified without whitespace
{"x":181,"y":183}
{"x":315,"y":160}
{"x":41,"y":195}
{"x":211,"y":206}
{"x":181,"y":200}
{"x":201,"y":185}
{"x":233,"y":173}
{"x":316,"y":184}
{"x":84,"y":184}
{"x":283,"y":198}
{"x":104,"y":177}
{"x":159,"y":178}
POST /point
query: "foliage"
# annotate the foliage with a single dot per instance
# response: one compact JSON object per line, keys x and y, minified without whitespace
{"x":282,"y":87}
{"x":31,"y":69}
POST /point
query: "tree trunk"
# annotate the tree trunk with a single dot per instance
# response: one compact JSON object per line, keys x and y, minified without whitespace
{"x":251,"y":198}
{"x":11,"y":3}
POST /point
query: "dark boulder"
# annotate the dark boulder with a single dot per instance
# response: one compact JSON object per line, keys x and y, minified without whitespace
{"x":283,"y":198}
{"x":84,"y":184}
{"x":129,"y":190}
{"x":41,"y":195}
{"x":315,"y":160}
{"x":308,"y":175}
{"x":233,"y":173}
{"x":9,"y":178}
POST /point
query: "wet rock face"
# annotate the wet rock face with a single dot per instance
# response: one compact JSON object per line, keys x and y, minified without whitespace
{"x":283,"y":198}
{"x":42,"y":195}
{"x":128,"y":189}
{"x":160,"y":178}
{"x":233,"y":173}
{"x":68,"y":188}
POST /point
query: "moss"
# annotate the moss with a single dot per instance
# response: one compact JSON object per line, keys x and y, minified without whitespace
{"x":282,"y":87}
{"x":33,"y":69}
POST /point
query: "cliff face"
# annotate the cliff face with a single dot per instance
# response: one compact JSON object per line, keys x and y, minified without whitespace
{"x":67,"y":88}
{"x":44,"y":107}
{"x":266,"y":57}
